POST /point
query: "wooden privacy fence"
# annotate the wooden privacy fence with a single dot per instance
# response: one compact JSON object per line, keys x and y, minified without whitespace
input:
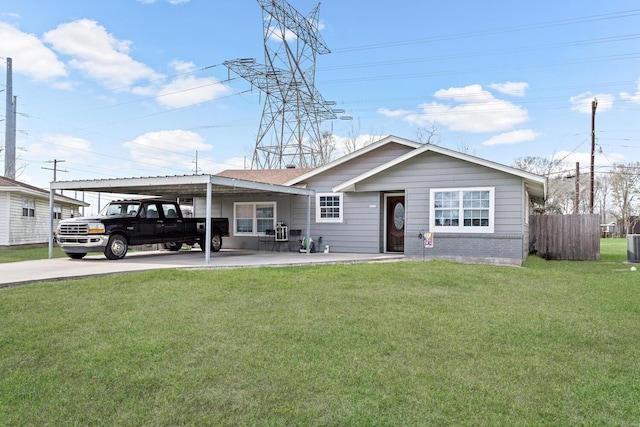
{"x":567,"y":237}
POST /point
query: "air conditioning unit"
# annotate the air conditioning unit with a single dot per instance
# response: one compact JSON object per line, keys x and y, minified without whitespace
{"x":633,"y":248}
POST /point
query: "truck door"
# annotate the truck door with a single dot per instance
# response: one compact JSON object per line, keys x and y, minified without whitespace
{"x":173,"y":224}
{"x":150,"y":227}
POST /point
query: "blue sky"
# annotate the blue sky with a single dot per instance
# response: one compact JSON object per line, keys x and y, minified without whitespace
{"x":125,"y":88}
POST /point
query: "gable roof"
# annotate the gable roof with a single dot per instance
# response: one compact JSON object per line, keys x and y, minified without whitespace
{"x":536,"y":184}
{"x":7,"y":184}
{"x":341,"y":160}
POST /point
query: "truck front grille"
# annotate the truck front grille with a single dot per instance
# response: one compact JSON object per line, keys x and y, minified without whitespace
{"x":74,"y":229}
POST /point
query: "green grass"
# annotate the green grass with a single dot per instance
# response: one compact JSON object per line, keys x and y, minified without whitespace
{"x":26,"y":254}
{"x":406,"y":343}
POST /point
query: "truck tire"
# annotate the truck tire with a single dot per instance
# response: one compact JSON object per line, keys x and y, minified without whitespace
{"x":76,"y":255}
{"x":117,"y":247}
{"x":173,"y":246}
{"x":216,"y":242}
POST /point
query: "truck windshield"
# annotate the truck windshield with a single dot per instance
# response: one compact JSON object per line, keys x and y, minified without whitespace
{"x":121,"y":208}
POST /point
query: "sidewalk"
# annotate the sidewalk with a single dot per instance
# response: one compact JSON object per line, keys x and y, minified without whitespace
{"x":16,"y":273}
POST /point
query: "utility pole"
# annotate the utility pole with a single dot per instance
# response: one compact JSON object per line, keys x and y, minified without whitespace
{"x":196,"y":162}
{"x":594,"y":105}
{"x":55,"y":168}
{"x":10,"y":127}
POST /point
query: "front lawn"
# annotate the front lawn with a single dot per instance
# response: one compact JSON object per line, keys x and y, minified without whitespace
{"x":403,"y":343}
{"x":26,"y":254}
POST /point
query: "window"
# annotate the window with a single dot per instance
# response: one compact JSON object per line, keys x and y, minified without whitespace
{"x":57,"y":212}
{"x":468,"y":210}
{"x":254,"y":218}
{"x":28,"y":207}
{"x":169,"y":210}
{"x":329,"y":207}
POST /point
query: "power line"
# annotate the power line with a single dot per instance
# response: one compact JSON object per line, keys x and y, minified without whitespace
{"x":505,"y":30}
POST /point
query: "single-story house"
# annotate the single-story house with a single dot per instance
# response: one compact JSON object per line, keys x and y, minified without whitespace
{"x":395,"y":196}
{"x":392,"y":196}
{"x":25,"y":213}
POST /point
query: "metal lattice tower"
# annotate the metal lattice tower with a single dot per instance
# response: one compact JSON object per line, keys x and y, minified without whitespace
{"x":289,"y":131}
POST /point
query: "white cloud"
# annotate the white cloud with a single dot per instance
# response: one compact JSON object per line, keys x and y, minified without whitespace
{"x":513,"y":137}
{"x":582,"y":103}
{"x":569,"y":158}
{"x":632,"y":97}
{"x":276,"y":35}
{"x":185,"y":91}
{"x":64,"y":147}
{"x":165,"y":149}
{"x":98,"y":54}
{"x":29,"y":55}
{"x":469,"y":109}
{"x":398,"y":114}
{"x":206,"y":165}
{"x":511,"y":88}
{"x":189,"y":90}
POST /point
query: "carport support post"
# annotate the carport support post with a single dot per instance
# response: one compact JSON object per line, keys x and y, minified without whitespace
{"x":308,"y":224}
{"x":207,"y":234}
{"x":51,"y":195}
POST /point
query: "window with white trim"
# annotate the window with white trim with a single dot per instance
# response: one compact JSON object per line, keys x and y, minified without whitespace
{"x":329,"y":207}
{"x":57,"y":212}
{"x":251,"y":219}
{"x":28,"y":207}
{"x":462,"y":210}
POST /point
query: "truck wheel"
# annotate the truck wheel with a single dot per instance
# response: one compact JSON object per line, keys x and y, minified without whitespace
{"x":117,"y":247}
{"x":216,"y":243}
{"x":75,"y":255}
{"x":173,"y":246}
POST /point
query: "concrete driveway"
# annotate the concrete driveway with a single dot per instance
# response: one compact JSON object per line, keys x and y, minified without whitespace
{"x":17,"y":273}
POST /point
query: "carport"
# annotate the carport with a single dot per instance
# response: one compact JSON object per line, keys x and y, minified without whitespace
{"x":174,"y":187}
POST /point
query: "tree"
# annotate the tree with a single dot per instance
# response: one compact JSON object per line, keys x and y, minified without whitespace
{"x":625,"y":184}
{"x":356,"y":140}
{"x":602,"y":192}
{"x":560,"y":190}
{"x":324,"y":149}
{"x":429,"y":134}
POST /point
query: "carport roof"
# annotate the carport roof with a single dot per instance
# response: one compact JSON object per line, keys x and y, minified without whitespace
{"x":172,"y":187}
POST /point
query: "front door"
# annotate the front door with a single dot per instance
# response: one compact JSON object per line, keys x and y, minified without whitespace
{"x":395,"y":224}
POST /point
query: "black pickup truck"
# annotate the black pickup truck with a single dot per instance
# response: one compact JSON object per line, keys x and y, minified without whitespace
{"x":136,"y":222}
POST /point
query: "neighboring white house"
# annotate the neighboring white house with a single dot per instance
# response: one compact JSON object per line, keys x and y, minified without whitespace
{"x":24,"y":213}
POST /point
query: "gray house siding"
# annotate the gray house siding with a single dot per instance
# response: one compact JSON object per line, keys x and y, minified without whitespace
{"x":363,"y":212}
{"x":223,"y":207}
{"x":353,"y":235}
{"x":363,"y":227}
{"x":363,"y":224}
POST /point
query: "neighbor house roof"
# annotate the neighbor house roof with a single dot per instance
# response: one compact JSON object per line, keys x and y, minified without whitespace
{"x":269,"y":176}
{"x":7,"y":184}
{"x":348,"y":157}
{"x":536,"y":183}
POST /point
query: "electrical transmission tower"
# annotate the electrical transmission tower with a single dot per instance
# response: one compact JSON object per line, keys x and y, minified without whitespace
{"x":289,"y":132}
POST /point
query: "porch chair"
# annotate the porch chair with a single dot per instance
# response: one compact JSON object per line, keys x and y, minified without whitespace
{"x":268,"y":241}
{"x":295,"y":237}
